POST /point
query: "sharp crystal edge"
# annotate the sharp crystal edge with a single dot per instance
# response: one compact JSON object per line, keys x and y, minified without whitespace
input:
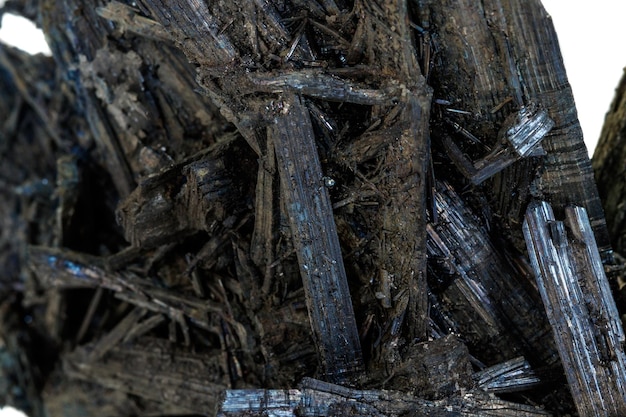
{"x":520,"y":136}
{"x":510,"y":376}
{"x":580,"y":308}
{"x":490,"y":302}
{"x":319,"y":398}
{"x":527,"y":128}
{"x":316,"y":243}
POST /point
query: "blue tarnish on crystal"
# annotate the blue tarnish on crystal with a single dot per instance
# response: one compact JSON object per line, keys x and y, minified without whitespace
{"x":73,"y":268}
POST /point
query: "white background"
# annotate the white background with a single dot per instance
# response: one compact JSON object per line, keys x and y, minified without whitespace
{"x":592,"y":41}
{"x":591,"y":36}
